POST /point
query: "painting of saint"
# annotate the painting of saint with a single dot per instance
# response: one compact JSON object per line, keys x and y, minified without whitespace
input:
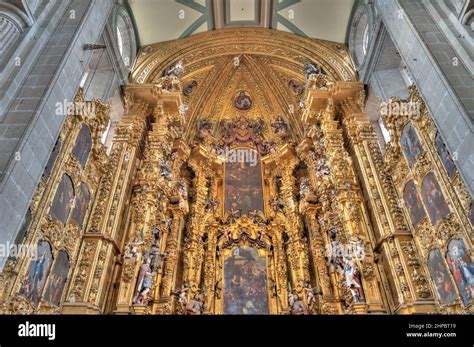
{"x":245,"y":282}
{"x":33,"y":284}
{"x":243,"y":102}
{"x":83,"y":145}
{"x":295,"y":87}
{"x":82,"y":202}
{"x":189,"y":88}
{"x":433,"y":199}
{"x":441,"y":278}
{"x":462,"y":268}
{"x":410,"y":144}
{"x":57,"y":279}
{"x":243,"y":182}
{"x":413,"y":203}
{"x":63,"y":200}
{"x":444,"y":155}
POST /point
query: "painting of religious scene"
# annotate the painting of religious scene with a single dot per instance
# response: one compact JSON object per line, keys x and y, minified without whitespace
{"x":63,"y":200}
{"x":413,"y":203}
{"x":81,"y":204}
{"x":410,"y":144}
{"x":433,"y":199}
{"x":34,"y":281}
{"x":462,"y":268}
{"x":243,"y":181}
{"x":441,"y":278}
{"x":445,"y":156}
{"x":83,"y":145}
{"x":245,"y":283}
{"x":57,"y":279}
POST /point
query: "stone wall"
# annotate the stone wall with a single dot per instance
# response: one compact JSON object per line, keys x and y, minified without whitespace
{"x":419,"y":42}
{"x":53,"y":63}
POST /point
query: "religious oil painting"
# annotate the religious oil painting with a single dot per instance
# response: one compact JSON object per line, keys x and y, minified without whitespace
{"x":434,"y":199}
{"x":63,"y":200}
{"x":411,"y":144}
{"x":83,"y":145}
{"x":33,"y":283}
{"x":243,"y":101}
{"x":57,"y":279}
{"x":413,"y":203}
{"x":81,"y":204}
{"x":441,"y":278}
{"x":445,"y":156}
{"x":462,"y":268}
{"x":245,"y":282}
{"x":243,"y":181}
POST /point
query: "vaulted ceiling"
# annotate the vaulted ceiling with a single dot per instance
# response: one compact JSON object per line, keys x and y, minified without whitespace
{"x":164,"y":20}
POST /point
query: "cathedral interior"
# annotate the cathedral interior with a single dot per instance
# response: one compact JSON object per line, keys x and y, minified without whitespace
{"x":240,"y":157}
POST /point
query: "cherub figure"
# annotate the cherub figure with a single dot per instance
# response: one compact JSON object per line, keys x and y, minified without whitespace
{"x":309,"y":291}
{"x":176,"y":70}
{"x":182,"y":295}
{"x":226,"y":236}
{"x":131,"y":248}
{"x":275,"y":204}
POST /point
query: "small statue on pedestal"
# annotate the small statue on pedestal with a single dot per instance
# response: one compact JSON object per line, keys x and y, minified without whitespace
{"x":144,"y":283}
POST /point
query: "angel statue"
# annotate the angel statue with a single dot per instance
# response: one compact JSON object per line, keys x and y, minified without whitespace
{"x":352,"y":280}
{"x":279,"y":126}
{"x":276,"y":204}
{"x":181,"y":293}
{"x":232,"y":216}
{"x":176,"y":70}
{"x":296,"y":305}
{"x":196,"y":305}
{"x":131,"y":248}
{"x":305,"y":187}
{"x":226,"y":235}
{"x":165,"y":169}
{"x":211,"y":204}
{"x":310,"y":69}
{"x":257,"y":217}
{"x":309,"y":292}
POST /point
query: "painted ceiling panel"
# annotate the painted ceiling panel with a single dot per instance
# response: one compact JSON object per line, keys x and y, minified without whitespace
{"x":243,"y":10}
{"x":323,"y":19}
{"x":164,"y":20}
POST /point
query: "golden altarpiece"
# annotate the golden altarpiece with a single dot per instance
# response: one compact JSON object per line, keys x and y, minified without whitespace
{"x":246,"y":178}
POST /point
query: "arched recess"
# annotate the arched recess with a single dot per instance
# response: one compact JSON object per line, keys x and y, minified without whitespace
{"x":217,"y":61}
{"x":124,"y":33}
{"x":360,"y":33}
{"x":13,"y":23}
